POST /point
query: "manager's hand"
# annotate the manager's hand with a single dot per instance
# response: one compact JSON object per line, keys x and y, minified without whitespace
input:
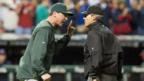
{"x":70,"y":29}
{"x":46,"y":77}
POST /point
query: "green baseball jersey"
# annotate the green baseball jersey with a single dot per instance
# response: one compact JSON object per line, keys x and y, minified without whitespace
{"x":39,"y":52}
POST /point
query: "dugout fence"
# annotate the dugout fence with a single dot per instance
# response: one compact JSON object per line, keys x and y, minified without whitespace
{"x":74,"y":73}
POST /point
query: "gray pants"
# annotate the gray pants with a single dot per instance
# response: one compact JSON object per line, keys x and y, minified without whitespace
{"x":104,"y":77}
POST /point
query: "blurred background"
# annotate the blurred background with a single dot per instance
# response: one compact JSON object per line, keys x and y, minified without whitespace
{"x":18,"y":18}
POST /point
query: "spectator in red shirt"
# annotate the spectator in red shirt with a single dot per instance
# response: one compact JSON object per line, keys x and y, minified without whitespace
{"x":122,"y":19}
{"x":25,"y":11}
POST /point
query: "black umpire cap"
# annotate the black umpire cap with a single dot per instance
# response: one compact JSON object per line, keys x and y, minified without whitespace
{"x":93,"y":10}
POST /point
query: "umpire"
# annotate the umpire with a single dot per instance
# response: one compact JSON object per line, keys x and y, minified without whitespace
{"x":102,"y":52}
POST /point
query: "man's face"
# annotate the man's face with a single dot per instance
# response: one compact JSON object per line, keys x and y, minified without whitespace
{"x":60,"y":18}
{"x":89,"y":18}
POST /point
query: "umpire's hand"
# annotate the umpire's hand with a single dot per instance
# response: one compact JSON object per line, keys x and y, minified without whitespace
{"x":46,"y":77}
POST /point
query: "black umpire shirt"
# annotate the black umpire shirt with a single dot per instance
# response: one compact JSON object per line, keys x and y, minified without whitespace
{"x":102,"y":52}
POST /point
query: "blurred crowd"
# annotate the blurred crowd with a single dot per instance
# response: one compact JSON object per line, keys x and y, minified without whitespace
{"x":122,"y":16}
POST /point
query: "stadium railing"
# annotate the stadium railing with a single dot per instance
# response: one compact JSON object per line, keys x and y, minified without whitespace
{"x":68,"y":70}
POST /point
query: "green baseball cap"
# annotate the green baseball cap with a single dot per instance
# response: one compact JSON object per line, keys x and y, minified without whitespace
{"x":60,"y":7}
